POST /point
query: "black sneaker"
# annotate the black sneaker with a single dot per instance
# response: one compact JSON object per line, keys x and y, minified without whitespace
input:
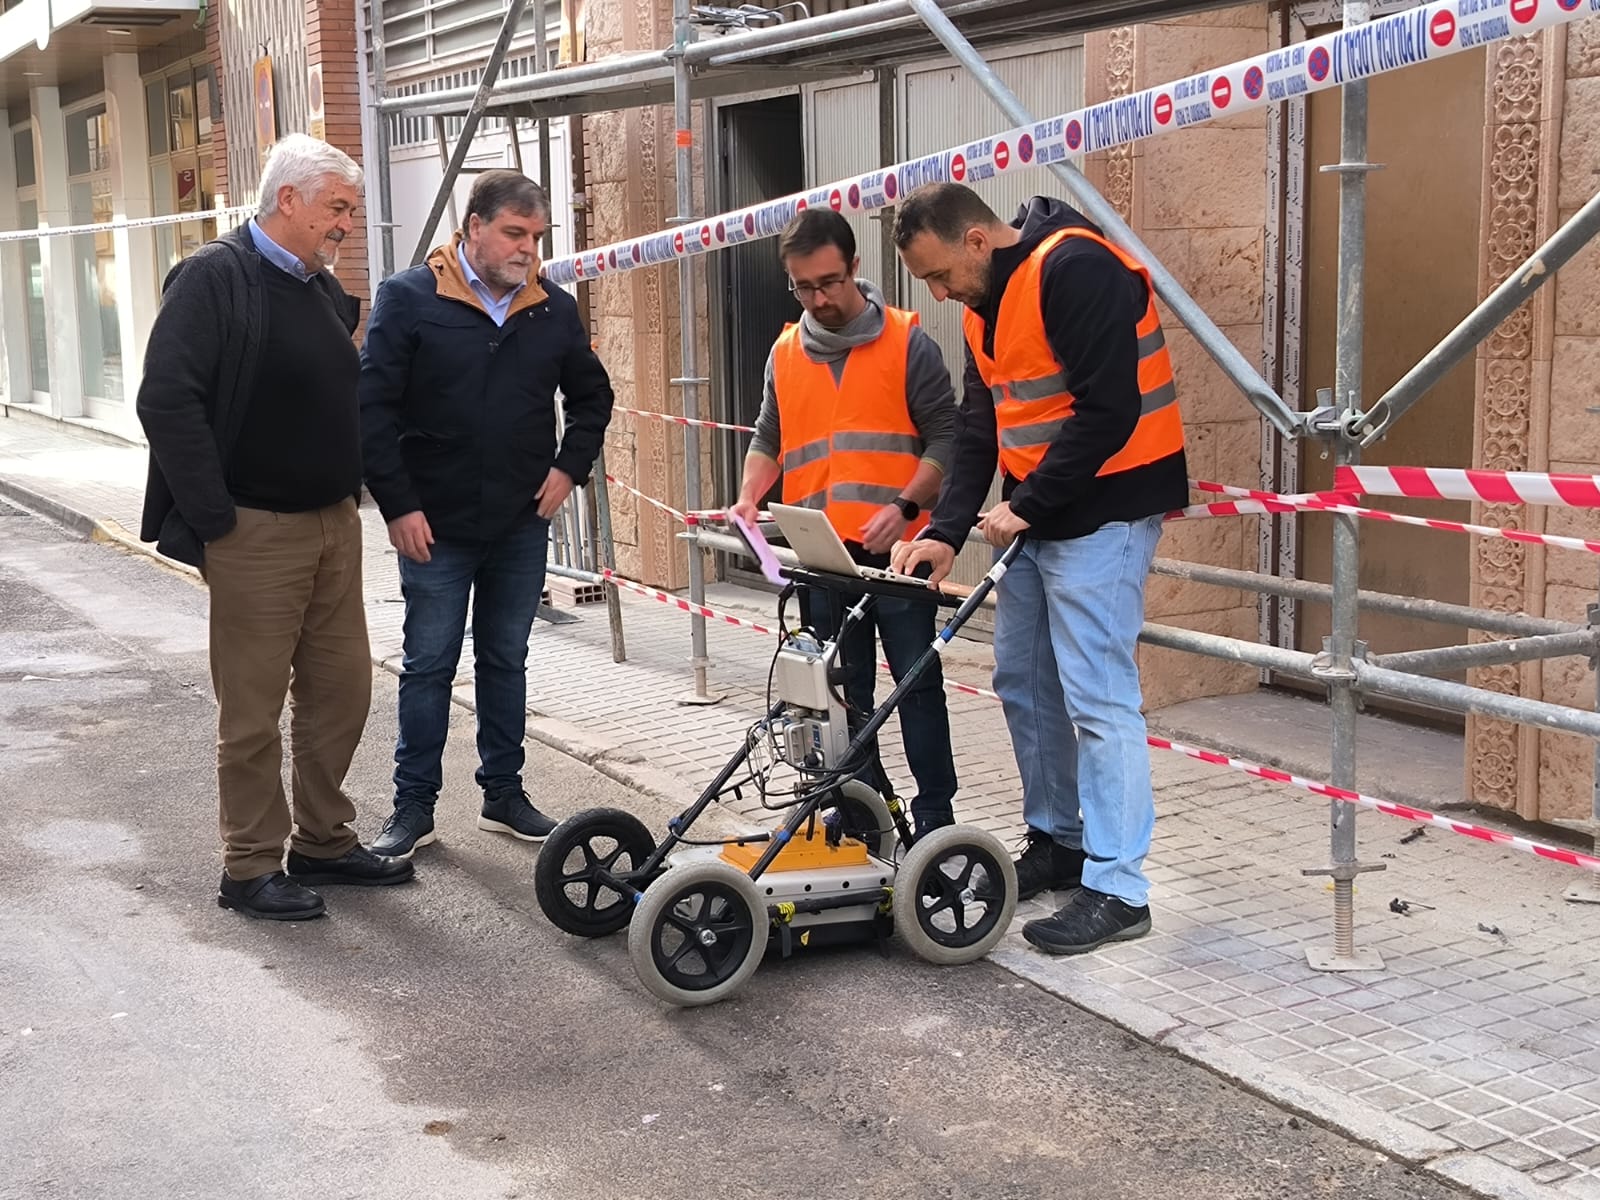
{"x":407,"y":828}
{"x":1088,"y":921}
{"x":270,"y":897}
{"x":510,"y":812}
{"x":1045,"y":864}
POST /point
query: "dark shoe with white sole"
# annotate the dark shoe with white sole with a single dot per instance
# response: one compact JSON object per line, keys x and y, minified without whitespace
{"x":510,"y":812}
{"x":408,"y":829}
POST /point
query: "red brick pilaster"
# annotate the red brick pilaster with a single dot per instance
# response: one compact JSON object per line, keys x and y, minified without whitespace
{"x":331,"y":40}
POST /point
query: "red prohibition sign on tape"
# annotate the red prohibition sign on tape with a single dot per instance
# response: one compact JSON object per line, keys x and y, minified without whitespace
{"x":1002,"y":155}
{"x":1163,"y":109}
{"x":705,"y":236}
{"x":836,"y":201}
{"x":1442,"y":29}
{"x":677,"y":242}
{"x":1523,"y":11}
{"x":599,"y":264}
{"x":1221,"y":92}
{"x":958,"y":168}
{"x":577,"y":267}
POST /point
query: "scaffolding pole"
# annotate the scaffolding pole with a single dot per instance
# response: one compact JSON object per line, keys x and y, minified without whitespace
{"x":1338,"y":664}
{"x":689,"y":379}
{"x":381,"y":133}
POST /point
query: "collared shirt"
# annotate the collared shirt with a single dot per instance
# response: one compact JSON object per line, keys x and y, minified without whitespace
{"x":498,"y":309}
{"x":275,"y":254}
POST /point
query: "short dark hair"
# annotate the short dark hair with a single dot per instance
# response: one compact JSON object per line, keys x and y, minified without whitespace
{"x":815,"y":228}
{"x":946,"y":210}
{"x":495,"y":191}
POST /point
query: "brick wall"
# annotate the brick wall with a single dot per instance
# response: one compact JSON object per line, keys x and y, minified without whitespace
{"x":331,"y":41}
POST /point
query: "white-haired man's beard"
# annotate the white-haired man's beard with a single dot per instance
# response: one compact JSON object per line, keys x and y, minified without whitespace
{"x":328,"y":252}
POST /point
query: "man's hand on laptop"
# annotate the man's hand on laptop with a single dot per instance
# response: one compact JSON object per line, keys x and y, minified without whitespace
{"x":906,"y":557}
{"x":887,"y":526}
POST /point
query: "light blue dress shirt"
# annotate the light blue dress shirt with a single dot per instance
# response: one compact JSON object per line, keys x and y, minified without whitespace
{"x":277,"y":255}
{"x":498,"y":309}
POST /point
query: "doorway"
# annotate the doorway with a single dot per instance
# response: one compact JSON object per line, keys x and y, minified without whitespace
{"x":1426,"y":128}
{"x":762,"y":157}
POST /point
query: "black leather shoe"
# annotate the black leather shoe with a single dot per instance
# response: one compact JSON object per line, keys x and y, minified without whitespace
{"x":408,"y":828}
{"x":1088,"y":921}
{"x":510,"y":812}
{"x":273,"y":897}
{"x":1046,"y":865}
{"x":360,"y":866}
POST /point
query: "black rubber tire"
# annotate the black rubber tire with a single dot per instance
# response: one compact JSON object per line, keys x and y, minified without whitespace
{"x":678,"y":910}
{"x":946,"y":876}
{"x":624,"y":837}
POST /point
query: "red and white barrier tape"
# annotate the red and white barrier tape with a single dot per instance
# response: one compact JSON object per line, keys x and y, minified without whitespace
{"x":690,"y":519}
{"x":1405,"y":812}
{"x":1321,"y":502}
{"x":678,"y":602}
{"x":677,"y":420}
{"x":1491,"y":487}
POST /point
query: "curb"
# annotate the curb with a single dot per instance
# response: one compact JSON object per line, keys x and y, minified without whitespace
{"x":1363,"y":1123}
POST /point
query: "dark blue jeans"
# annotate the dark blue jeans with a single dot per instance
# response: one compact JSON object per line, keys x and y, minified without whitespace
{"x":503,"y":578}
{"x":906,"y":628}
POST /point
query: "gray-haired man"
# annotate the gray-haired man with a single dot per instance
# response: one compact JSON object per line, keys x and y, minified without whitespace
{"x":249,"y":403}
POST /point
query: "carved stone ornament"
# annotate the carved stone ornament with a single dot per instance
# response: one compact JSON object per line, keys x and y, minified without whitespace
{"x":1119,"y":82}
{"x":1505,"y":405}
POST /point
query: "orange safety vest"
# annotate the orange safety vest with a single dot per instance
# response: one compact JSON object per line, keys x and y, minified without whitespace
{"x":1031,"y":400}
{"x":847,"y":448}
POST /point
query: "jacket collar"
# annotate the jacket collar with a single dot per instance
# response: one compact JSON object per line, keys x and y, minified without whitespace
{"x":451,"y":281}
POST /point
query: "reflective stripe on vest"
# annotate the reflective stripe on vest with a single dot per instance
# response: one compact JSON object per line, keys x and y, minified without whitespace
{"x":1032,"y":404}
{"x":847,"y":448}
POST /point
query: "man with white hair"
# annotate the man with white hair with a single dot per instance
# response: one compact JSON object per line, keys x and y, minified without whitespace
{"x":249,"y":404}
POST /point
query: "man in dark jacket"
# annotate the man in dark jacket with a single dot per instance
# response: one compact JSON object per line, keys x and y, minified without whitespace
{"x":459,"y":373}
{"x":249,"y":403}
{"x":1069,"y":388}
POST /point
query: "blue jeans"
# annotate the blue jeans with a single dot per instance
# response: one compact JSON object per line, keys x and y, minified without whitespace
{"x":906,"y":628}
{"x":1066,"y":623}
{"x":504,"y":578}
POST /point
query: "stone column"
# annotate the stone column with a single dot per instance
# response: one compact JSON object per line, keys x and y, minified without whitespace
{"x":1521,"y":132}
{"x":13,"y":283}
{"x":1566,"y":764}
{"x":55,"y":256}
{"x":138,"y":285}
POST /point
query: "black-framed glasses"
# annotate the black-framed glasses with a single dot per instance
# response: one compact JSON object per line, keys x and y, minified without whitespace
{"x":828,"y":287}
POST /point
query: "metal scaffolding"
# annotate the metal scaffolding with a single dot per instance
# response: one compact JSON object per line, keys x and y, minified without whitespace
{"x":886,"y":32}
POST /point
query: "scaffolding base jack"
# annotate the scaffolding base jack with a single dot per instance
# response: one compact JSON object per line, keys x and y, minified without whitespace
{"x":1585,"y":891}
{"x":1343,"y":955}
{"x":700,"y":697}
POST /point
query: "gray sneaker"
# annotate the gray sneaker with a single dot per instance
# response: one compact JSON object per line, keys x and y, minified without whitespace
{"x":405,"y":830}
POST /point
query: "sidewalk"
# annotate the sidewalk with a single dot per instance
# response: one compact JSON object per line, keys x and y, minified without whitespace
{"x":1474,"y":1054}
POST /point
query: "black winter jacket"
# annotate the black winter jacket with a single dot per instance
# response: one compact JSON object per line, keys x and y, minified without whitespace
{"x":458,"y":415}
{"x":200,"y":370}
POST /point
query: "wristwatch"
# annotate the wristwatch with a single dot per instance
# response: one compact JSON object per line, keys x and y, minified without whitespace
{"x":909,"y":509}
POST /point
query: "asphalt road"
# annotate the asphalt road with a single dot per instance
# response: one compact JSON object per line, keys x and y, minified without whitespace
{"x":443,"y":1040}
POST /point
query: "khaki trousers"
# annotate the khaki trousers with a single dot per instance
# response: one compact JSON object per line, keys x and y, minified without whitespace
{"x":287,"y":618}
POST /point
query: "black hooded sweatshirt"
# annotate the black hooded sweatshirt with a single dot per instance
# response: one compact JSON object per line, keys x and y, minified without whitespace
{"x":1092,"y":306}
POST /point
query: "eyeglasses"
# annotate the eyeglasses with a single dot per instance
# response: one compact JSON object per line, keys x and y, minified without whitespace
{"x":828,"y":287}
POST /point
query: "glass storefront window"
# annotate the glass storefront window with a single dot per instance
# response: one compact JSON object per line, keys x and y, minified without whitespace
{"x":33,"y":271}
{"x":94,"y":261}
{"x":22,"y":152}
{"x":180,"y":111}
{"x":88,"y":141}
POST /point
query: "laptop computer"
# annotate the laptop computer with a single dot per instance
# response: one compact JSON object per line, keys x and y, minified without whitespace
{"x":816,"y":544}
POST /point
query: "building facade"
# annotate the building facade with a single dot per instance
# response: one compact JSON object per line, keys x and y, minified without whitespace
{"x":1484,"y":152}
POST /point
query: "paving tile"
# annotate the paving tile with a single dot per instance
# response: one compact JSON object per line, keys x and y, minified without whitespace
{"x":1523,"y":1156}
{"x":1474,"y":1135}
{"x":1470,"y":1102}
{"x":1518,"y":1122}
{"x":1429,"y":1116}
{"x":1514,"y":1089}
{"x":1563,"y":1141}
{"x":1564,"y":1106}
{"x":1553,"y":1172}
